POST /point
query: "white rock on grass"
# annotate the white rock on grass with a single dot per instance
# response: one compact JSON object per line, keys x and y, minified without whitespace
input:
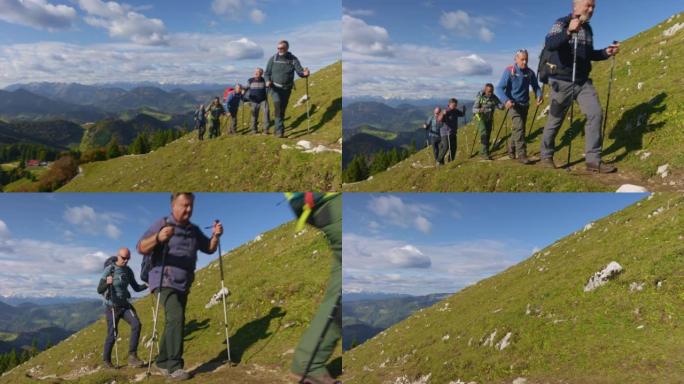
{"x":445,"y":338}
{"x":490,"y":340}
{"x":634,"y":286}
{"x":644,"y":155}
{"x":218,"y":296}
{"x":640,"y":86}
{"x":673,"y":29}
{"x":588,"y":227}
{"x":304,"y":144}
{"x":505,"y":342}
{"x":664,"y":170}
{"x":405,"y":380}
{"x":520,"y":380}
{"x":259,"y":237}
{"x":601,"y":278}
{"x":631,"y":188}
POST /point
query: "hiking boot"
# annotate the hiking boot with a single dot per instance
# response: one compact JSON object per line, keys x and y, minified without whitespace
{"x":319,"y":379}
{"x":179,"y":375}
{"x":511,"y":153}
{"x":524,"y":160}
{"x":547,"y":163}
{"x":601,"y":168}
{"x":134,"y":361}
{"x":162,"y":371}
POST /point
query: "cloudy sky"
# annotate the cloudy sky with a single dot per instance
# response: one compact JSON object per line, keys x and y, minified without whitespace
{"x":56,"y":244}
{"x":436,"y":242}
{"x":212,"y":41}
{"x":443,"y":48}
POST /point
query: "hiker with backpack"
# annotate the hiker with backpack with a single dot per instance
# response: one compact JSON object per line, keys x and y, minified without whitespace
{"x":169,"y":248}
{"x":433,"y":126}
{"x":449,"y":130}
{"x":232,"y":100}
{"x":214,"y":113}
{"x":317,"y":344}
{"x":256,"y":96}
{"x":200,"y":121}
{"x":485,"y":105}
{"x":514,"y":92}
{"x":568,"y":71}
{"x":116,"y":278}
{"x":279,"y":76}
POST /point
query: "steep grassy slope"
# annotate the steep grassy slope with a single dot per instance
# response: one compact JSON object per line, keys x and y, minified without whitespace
{"x":644,"y":132}
{"x":242,"y":162}
{"x":628,"y":331}
{"x":276,"y":285}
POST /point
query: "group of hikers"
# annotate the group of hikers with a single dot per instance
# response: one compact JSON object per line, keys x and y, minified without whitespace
{"x":277,"y":80}
{"x":169,"y":249}
{"x":565,"y":64}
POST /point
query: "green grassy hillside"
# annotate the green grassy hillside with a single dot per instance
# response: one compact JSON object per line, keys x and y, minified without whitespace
{"x":276,"y":285}
{"x":644,"y":132}
{"x":627,"y":331}
{"x":242,"y":162}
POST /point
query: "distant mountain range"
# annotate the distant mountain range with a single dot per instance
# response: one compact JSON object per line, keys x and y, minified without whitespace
{"x":26,"y":322}
{"x":364,"y":315}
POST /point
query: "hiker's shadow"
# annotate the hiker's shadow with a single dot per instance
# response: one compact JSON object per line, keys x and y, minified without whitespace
{"x":570,"y":134}
{"x":330,"y":113}
{"x":629,"y":131}
{"x":193,"y":327}
{"x":243,"y":338}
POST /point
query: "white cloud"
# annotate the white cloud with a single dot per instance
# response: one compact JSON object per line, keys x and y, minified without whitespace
{"x":358,"y":12}
{"x":389,"y":265}
{"x":4,"y":230}
{"x":122,"y":22}
{"x":188,"y":57}
{"x":407,"y":256}
{"x":393,"y":210}
{"x":359,"y":37}
{"x":86,"y":220}
{"x":462,"y":24}
{"x":239,"y":9}
{"x":257,"y":16}
{"x":37,"y":14}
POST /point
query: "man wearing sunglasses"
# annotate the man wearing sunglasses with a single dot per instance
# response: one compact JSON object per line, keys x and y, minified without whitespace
{"x":279,"y":77}
{"x":114,"y":284}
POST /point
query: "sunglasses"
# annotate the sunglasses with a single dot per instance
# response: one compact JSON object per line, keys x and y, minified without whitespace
{"x":282,"y":48}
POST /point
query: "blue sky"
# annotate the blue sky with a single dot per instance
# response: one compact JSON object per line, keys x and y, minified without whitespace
{"x":55,"y":244}
{"x":95,"y":41}
{"x":424,"y":49}
{"x":437,"y":242}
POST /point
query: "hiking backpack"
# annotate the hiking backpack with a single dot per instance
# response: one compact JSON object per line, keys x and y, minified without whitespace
{"x":227,"y":93}
{"x":109,"y":263}
{"x":149,"y":261}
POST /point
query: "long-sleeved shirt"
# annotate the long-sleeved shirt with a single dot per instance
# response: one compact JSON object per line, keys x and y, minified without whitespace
{"x":122,"y":277}
{"x":451,"y":121}
{"x":484,"y":106}
{"x":515,"y":85}
{"x":256,"y":89}
{"x":561,"y":45}
{"x":281,"y":69}
{"x":434,"y":127}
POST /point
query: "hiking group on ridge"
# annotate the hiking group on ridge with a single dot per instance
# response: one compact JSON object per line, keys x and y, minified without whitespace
{"x":277,"y":81}
{"x":565,"y":65}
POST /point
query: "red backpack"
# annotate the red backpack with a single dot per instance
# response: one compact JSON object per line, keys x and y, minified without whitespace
{"x":227,"y":93}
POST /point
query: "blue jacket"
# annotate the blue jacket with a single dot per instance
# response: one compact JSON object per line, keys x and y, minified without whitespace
{"x":434,"y":127}
{"x":515,"y":85}
{"x":233,"y":102}
{"x":560,"y":44}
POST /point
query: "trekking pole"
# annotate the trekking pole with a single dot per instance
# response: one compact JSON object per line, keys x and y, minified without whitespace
{"x":449,"y":147}
{"x":499,"y":131}
{"x":165,"y":251}
{"x":472,"y":148}
{"x":331,"y":318}
{"x":610,"y":84}
{"x":223,"y":294}
{"x":308,"y":118}
{"x":529,"y":132}
{"x":572,"y":101}
{"x":116,"y":331}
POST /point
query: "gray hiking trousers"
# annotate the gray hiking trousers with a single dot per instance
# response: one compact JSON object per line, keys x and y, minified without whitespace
{"x":561,"y":98}
{"x":519,"y":122}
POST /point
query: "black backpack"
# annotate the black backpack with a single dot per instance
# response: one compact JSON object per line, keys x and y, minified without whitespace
{"x":109,"y":263}
{"x":149,"y":261}
{"x":545,"y":68}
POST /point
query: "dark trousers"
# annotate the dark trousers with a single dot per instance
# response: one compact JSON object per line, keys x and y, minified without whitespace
{"x":129,"y":315}
{"x":447,"y":145}
{"x":434,"y":141}
{"x":280,"y":97}
{"x":201,"y":128}
{"x":233,"y":120}
{"x":171,"y":344}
